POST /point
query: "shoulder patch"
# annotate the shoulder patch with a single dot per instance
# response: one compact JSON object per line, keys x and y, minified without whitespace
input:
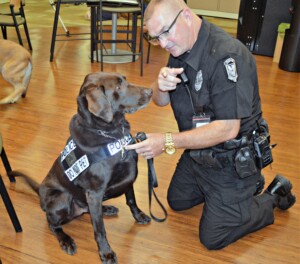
{"x":231,"y":70}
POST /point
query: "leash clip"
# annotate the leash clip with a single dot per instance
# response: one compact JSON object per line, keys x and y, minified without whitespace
{"x":140,"y":136}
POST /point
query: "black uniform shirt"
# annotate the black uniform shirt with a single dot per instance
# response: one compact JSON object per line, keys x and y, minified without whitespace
{"x":214,"y":86}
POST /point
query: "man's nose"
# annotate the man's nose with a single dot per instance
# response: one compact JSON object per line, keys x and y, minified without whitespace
{"x":163,"y":42}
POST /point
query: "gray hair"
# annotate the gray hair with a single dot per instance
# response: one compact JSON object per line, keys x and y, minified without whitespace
{"x":174,"y":5}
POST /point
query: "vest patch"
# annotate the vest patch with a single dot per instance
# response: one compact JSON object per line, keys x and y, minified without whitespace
{"x":118,"y":145}
{"x":77,"y":168}
{"x":67,"y":150}
{"x":74,"y":160}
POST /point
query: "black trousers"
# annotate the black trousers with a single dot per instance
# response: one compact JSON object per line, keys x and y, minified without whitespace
{"x":230,"y":210}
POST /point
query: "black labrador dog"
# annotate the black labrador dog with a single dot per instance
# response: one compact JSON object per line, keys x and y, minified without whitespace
{"x":94,"y":166}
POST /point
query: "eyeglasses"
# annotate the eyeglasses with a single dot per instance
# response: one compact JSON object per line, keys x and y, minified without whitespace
{"x":163,"y":35}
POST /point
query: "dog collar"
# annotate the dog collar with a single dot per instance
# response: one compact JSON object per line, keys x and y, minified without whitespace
{"x":74,"y":160}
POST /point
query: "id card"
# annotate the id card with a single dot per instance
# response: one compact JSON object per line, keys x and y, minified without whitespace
{"x":200,"y":120}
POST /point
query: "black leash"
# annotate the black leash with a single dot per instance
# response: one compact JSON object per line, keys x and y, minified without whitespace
{"x":152,"y":182}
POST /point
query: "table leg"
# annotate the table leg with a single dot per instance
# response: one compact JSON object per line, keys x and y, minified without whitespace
{"x":114,"y":33}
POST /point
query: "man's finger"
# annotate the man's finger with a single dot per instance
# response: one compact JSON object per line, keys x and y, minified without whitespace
{"x":134,"y":146}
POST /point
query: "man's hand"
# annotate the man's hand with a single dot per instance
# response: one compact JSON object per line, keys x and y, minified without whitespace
{"x":167,"y":78}
{"x":151,"y":147}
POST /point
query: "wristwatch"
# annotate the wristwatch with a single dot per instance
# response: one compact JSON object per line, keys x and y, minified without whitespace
{"x":169,"y":145}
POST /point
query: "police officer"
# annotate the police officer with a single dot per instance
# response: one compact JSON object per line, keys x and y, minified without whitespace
{"x":211,"y":83}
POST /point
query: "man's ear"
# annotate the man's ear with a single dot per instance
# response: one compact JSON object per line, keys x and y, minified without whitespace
{"x":99,"y":105}
{"x":187,"y":16}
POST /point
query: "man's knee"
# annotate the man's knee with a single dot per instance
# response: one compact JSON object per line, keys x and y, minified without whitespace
{"x":214,"y":237}
{"x":179,"y":205}
{"x":211,"y":242}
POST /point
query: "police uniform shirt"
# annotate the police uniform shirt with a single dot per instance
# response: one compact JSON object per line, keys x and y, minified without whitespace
{"x":222,"y":80}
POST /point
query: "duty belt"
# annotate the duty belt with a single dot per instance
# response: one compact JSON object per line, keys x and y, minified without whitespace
{"x":212,"y":158}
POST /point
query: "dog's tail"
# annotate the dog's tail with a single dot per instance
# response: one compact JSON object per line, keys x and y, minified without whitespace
{"x":27,"y":77}
{"x":32,"y":183}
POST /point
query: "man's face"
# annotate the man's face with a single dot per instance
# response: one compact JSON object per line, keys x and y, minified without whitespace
{"x":171,"y":30}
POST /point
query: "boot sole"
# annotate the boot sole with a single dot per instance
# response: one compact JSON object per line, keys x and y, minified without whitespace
{"x":284,"y":185}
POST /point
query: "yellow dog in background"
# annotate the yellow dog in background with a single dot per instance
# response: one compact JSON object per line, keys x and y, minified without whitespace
{"x":16,"y":68}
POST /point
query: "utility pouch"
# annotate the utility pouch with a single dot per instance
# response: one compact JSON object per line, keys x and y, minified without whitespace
{"x":205,"y":157}
{"x":245,"y":163}
{"x":262,"y":147}
{"x":263,"y":151}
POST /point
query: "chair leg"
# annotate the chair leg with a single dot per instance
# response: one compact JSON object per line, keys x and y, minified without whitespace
{"x":101,"y":37}
{"x":7,"y":165}
{"x":17,"y":30}
{"x":133,"y":35}
{"x":25,"y":27}
{"x":4,"y":32}
{"x":142,"y":40}
{"x":93,"y":21}
{"x":54,"y":29}
{"x":142,"y":52}
{"x":148,"y":53}
{"x":9,"y":207}
{"x":19,"y":36}
{"x":27,"y":36}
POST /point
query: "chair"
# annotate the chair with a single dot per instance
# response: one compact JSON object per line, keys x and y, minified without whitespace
{"x":56,"y":6}
{"x":114,"y":55}
{"x":148,"y":46}
{"x":5,"y":197}
{"x":5,"y":10}
{"x":15,"y":18}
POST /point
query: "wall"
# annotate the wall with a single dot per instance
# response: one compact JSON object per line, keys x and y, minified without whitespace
{"x":217,"y":8}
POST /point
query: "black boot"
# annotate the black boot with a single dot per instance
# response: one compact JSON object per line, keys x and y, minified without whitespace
{"x":260,"y":185}
{"x":281,"y":188}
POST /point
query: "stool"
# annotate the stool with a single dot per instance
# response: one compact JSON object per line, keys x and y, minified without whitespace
{"x":97,"y":30}
{"x":279,"y":42}
{"x":5,"y":197}
{"x":56,"y":6}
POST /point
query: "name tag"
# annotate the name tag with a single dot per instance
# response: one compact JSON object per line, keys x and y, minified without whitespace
{"x":201,"y":120}
{"x":78,"y":167}
{"x":67,"y":150}
{"x":117,"y":146}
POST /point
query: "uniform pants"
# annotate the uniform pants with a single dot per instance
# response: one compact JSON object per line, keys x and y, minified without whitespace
{"x":230,"y":210}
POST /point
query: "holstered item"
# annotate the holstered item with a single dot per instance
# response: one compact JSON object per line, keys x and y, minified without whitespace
{"x":245,"y":163}
{"x":210,"y":158}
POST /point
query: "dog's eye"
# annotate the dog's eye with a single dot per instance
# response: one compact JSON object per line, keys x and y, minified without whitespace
{"x":101,"y":87}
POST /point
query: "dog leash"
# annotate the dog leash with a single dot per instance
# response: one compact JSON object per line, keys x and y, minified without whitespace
{"x":152,"y":182}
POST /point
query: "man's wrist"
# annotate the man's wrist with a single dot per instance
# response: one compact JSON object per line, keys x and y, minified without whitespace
{"x":169,"y":147}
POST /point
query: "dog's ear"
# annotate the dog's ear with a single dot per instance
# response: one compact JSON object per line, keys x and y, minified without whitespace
{"x":83,"y":108}
{"x":99,"y":105}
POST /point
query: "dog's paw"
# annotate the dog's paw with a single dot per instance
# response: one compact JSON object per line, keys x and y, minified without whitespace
{"x":142,"y":218}
{"x":68,"y":245}
{"x":109,"y":210}
{"x":109,"y":258}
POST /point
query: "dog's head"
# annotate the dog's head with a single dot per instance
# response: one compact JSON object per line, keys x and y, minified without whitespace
{"x":105,"y":94}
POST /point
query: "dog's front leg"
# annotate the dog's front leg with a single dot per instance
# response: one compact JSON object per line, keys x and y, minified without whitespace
{"x":138,"y":215}
{"x":94,"y":200}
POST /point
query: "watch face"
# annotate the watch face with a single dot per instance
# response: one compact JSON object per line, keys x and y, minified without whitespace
{"x":170,"y":150}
